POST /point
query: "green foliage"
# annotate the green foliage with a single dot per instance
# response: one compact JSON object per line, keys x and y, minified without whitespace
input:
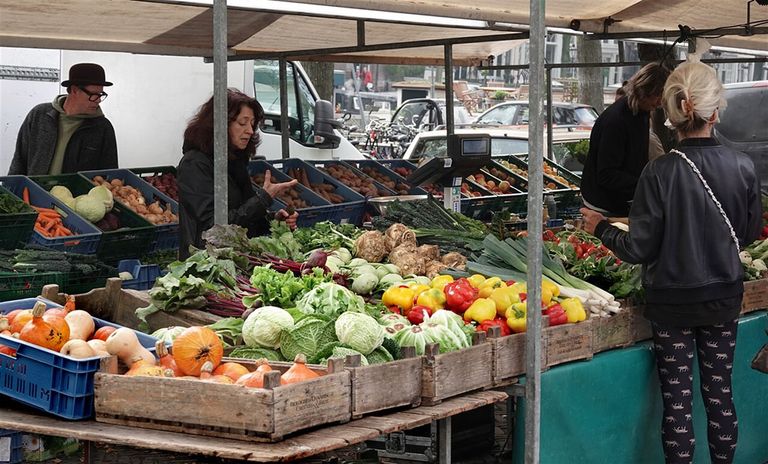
{"x":578,"y":150}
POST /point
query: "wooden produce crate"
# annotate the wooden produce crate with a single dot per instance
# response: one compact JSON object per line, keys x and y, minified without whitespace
{"x":373,"y":388}
{"x":450,"y":374}
{"x":640,"y":327}
{"x":611,"y":332}
{"x":755,"y":296}
{"x":567,"y":342}
{"x":224,"y":411}
{"x":508,"y":356}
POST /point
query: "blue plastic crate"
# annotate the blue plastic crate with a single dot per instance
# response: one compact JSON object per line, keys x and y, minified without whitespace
{"x":86,"y":236}
{"x":48,"y":380}
{"x":350,"y":211}
{"x":323,"y":165}
{"x":166,"y":235}
{"x":310,"y":197}
{"x":144,"y":275}
{"x":387,"y":172}
{"x":11,"y":447}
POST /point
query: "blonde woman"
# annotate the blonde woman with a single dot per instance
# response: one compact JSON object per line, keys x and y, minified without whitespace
{"x":693,"y":208}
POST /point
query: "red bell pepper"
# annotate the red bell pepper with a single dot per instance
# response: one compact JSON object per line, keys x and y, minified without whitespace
{"x":485,"y":325}
{"x":556,"y":315}
{"x":459,"y":295}
{"x":416,"y":314}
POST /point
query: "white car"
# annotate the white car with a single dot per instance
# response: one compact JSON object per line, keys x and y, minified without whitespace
{"x":504,"y":142}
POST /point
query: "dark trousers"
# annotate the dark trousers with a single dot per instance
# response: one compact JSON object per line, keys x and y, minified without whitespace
{"x":674,"y":349}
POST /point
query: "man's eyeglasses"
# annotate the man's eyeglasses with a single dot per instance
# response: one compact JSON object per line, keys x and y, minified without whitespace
{"x":94,"y":96}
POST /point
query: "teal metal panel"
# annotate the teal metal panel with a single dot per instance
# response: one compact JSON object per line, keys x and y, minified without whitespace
{"x":608,"y":410}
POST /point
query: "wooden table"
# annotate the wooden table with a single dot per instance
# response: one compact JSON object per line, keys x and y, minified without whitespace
{"x":297,"y":447}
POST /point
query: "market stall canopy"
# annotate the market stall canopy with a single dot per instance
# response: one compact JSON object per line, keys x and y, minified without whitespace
{"x":185,"y":29}
{"x":606,"y":16}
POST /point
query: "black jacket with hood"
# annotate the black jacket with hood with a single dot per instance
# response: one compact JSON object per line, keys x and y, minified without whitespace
{"x":677,"y":233}
{"x":248,"y":205}
{"x":92,"y":146}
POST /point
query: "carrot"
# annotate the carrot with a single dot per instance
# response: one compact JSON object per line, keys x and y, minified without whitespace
{"x":47,"y":211}
{"x":25,"y":195}
{"x":65,"y":230}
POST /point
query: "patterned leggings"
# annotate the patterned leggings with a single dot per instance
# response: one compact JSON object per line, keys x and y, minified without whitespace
{"x":674,"y":360}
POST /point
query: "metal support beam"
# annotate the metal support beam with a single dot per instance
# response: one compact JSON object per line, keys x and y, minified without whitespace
{"x":549,"y":113}
{"x":737,"y":31}
{"x":448,"y":50}
{"x":285,"y":127}
{"x":444,"y":437}
{"x":534,"y":220}
{"x":761,"y":59}
{"x":220,"y":132}
{"x":384,"y":46}
{"x":361,"y":33}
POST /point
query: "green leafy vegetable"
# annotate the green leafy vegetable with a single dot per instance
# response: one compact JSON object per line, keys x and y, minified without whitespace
{"x":330,"y":299}
{"x":265,"y":326}
{"x":252,"y":352}
{"x":359,"y":331}
{"x":379,"y":355}
{"x":308,"y":337}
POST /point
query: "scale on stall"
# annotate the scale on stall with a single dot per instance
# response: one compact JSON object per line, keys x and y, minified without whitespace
{"x":466,"y":154}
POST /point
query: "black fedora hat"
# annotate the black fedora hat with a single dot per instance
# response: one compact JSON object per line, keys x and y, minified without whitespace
{"x":86,"y":74}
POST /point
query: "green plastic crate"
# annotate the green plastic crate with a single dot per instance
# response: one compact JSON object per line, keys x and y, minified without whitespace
{"x":16,"y":228}
{"x":16,"y":285}
{"x":132,"y":240}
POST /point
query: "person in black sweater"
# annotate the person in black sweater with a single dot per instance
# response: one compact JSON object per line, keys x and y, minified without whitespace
{"x":618,"y":145}
{"x":693,"y":209}
{"x":248,"y":205}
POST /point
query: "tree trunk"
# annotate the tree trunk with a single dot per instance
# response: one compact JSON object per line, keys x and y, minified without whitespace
{"x":590,"y":79}
{"x":321,"y":75}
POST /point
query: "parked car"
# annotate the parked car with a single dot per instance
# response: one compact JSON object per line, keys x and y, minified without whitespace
{"x":743,"y":124}
{"x":515,"y":113}
{"x":428,"y":113}
{"x":504,"y":142}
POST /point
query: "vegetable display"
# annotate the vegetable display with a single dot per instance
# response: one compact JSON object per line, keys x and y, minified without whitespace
{"x":156,"y":213}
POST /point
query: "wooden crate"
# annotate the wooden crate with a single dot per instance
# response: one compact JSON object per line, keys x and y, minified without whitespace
{"x":755,"y":296}
{"x":640,"y":327}
{"x":611,"y":332}
{"x":450,"y":374}
{"x":378,"y":387}
{"x":508,"y":356}
{"x":224,"y":411}
{"x":566,"y":342}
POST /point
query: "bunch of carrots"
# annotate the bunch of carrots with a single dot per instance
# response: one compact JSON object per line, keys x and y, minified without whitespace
{"x":48,"y":222}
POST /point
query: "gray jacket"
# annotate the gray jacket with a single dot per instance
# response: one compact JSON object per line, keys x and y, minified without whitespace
{"x":92,"y":146}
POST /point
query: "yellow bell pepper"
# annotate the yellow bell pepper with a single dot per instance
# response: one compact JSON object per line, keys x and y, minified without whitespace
{"x":504,"y":297}
{"x":441,"y":281}
{"x":483,"y":309}
{"x":433,"y":299}
{"x":485,"y":289}
{"x":546,"y":295}
{"x":574,"y":310}
{"x":476,"y":280}
{"x":418,"y":289}
{"x":400,"y":297}
{"x":553,"y":288}
{"x":516,"y":317}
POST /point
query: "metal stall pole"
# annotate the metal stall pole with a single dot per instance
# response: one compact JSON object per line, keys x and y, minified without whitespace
{"x":285,"y":129}
{"x":535,"y":202}
{"x":549,"y":114}
{"x":448,"y":52}
{"x":220,"y":136}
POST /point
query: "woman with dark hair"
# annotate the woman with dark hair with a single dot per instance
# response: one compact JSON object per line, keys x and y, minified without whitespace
{"x":618,"y":144}
{"x":248,"y":205}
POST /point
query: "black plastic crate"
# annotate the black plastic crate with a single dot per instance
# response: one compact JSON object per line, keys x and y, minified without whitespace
{"x":18,"y":227}
{"x":157,"y":171}
{"x":362,"y":165}
{"x":131,"y":240}
{"x":17,"y":285}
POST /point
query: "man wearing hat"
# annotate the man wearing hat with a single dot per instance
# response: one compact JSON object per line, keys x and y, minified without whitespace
{"x":71,"y":134}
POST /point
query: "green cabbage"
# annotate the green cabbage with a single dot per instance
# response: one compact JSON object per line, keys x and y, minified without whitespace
{"x":359,"y":331}
{"x":455,"y":323}
{"x":251,"y":352}
{"x":391,"y":318}
{"x":265,"y":325}
{"x":330,"y":299}
{"x":442,"y":335}
{"x":168,"y":334}
{"x":412,"y":336}
{"x":308,"y":336}
{"x":379,"y":355}
{"x":90,"y":207}
{"x":343,"y":352}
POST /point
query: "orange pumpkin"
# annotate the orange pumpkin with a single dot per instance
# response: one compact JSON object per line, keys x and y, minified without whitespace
{"x":48,"y":332}
{"x":4,"y":325}
{"x":194,"y":346}
{"x":206,"y":375}
{"x":166,"y":360}
{"x":298,"y":372}
{"x":19,"y":320}
{"x":103,"y":332}
{"x":231,"y":369}
{"x":255,"y":379}
{"x":11,"y":315}
{"x":60,"y":312}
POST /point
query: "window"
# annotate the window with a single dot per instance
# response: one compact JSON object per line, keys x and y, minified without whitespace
{"x":504,"y":114}
{"x":301,"y":103}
